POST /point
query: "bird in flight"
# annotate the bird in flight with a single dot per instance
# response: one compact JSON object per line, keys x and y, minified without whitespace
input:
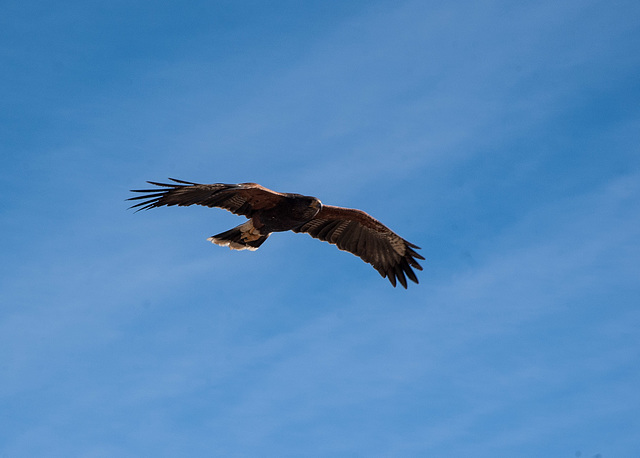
{"x":269,"y":211}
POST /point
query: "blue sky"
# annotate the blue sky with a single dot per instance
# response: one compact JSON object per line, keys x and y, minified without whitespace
{"x":500,"y":137}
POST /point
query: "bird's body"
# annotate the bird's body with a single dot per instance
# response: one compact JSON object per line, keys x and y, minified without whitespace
{"x":269,"y":211}
{"x":292,"y":211}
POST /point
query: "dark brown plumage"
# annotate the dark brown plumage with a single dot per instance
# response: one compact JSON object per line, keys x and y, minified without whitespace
{"x":268,"y":211}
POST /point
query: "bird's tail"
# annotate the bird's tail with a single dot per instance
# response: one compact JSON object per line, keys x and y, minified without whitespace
{"x":243,"y":237}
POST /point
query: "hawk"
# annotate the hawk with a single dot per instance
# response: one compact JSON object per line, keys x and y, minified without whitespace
{"x":269,"y":211}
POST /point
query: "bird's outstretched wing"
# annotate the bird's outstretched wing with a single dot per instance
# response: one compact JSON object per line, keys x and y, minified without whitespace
{"x":241,"y":199}
{"x":357,"y":232}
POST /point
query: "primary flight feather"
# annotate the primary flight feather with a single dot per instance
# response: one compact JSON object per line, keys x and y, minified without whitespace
{"x":268,"y":211}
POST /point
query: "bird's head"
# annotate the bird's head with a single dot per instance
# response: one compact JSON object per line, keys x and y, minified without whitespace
{"x":314,"y":207}
{"x":304,"y":207}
